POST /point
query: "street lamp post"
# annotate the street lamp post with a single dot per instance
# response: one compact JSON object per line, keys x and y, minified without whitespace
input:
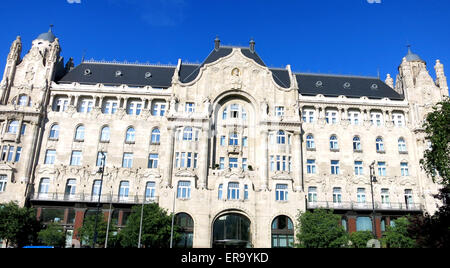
{"x":373,"y":180}
{"x":102,"y":170}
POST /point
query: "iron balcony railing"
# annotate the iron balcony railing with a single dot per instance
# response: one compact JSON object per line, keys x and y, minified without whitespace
{"x":364,"y":206}
{"x":89,"y":198}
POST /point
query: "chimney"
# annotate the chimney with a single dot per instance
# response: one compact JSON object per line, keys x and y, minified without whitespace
{"x":252,"y":45}
{"x":217,"y":43}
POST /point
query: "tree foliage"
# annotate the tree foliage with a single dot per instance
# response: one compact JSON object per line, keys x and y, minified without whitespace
{"x":397,"y":236}
{"x":359,"y":239}
{"x":87,"y":231}
{"x":156,"y":228}
{"x":321,"y":229}
{"x":437,"y":129}
{"x":18,"y":225}
{"x":52,"y":235}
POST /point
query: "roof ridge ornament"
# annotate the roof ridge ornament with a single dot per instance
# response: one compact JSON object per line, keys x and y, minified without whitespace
{"x":216,"y":43}
{"x":252,"y":45}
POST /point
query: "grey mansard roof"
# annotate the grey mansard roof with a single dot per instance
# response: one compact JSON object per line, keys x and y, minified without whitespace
{"x":159,"y":76}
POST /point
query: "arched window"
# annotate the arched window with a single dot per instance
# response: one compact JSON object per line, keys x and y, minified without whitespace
{"x":310,"y":142}
{"x":282,"y":232}
{"x":334,"y":143}
{"x":23,"y":100}
{"x":185,"y":224}
{"x":356,"y":143}
{"x":187,"y":134}
{"x":379,"y":144}
{"x":156,"y":135}
{"x":105,"y":134}
{"x":130,"y":135}
{"x":281,"y":137}
{"x":401,"y":145}
{"x":79,"y":133}
{"x":54,"y":132}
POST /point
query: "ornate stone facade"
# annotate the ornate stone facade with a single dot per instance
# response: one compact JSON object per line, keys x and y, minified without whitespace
{"x":227,"y":138}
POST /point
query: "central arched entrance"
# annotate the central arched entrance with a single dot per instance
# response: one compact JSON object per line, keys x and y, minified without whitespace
{"x":231,"y":231}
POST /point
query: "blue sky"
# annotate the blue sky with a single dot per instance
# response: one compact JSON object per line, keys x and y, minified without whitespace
{"x":321,"y":36}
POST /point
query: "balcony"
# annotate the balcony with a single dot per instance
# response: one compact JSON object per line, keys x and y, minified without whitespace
{"x":416,"y":207}
{"x":89,"y":198}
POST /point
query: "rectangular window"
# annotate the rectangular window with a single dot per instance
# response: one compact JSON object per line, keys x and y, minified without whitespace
{"x":337,"y":195}
{"x":376,"y":119}
{"x":184,"y":190}
{"x":331,"y":117}
{"x":381,"y":168}
{"x":312,"y":194}
{"x":18,"y":152}
{"x":110,"y":107}
{"x":308,"y":116}
{"x":100,"y":158}
{"x":75,"y":159}
{"x":61,"y":105}
{"x":153,"y":161}
{"x":233,"y":162}
{"x":281,"y":192}
{"x":244,"y":164}
{"x":159,"y":109}
{"x":279,"y":111}
{"x":150,"y":190}
{"x":190,"y":107}
{"x":50,"y":156}
{"x":10,"y":153}
{"x":361,"y":195}
{"x":233,"y":191}
{"x":358,"y":168}
{"x":222,"y":140}
{"x":404,"y":169}
{"x":245,"y":141}
{"x":3,"y":181}
{"x":335,"y":167}
{"x":127,"y":161}
{"x":385,"y":196}
{"x":311,"y":166}
{"x":86,"y":106}
{"x":222,"y":163}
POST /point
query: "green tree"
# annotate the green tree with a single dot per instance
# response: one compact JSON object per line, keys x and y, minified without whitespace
{"x":436,"y":161}
{"x":359,"y":239}
{"x":156,"y":228}
{"x":18,"y":226}
{"x":321,"y":229}
{"x":52,"y":235}
{"x":397,"y":236}
{"x":86,"y":232}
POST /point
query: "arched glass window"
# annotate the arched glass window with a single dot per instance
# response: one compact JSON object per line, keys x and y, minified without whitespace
{"x":105,"y":134}
{"x":185,"y":224}
{"x":13,"y":126}
{"x":130,"y":136}
{"x":401,"y":145}
{"x":281,"y":137}
{"x":23,"y":100}
{"x":79,"y":133}
{"x":334,"y":143}
{"x":54,"y":132}
{"x":356,"y":144}
{"x":187,"y":134}
{"x":231,"y":230}
{"x":282,"y":232}
{"x":156,"y":135}
{"x":379,"y":144}
{"x":310,"y":142}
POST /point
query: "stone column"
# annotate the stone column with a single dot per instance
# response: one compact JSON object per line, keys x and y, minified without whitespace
{"x":203,"y":176}
{"x":265,"y":158}
{"x":298,"y":164}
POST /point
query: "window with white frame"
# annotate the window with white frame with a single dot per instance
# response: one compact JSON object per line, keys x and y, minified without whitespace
{"x":402,"y":145}
{"x":127,"y":161}
{"x":311,"y":166}
{"x":86,"y":105}
{"x":361,"y":195}
{"x":281,"y":137}
{"x":281,"y":192}
{"x":130,"y":135}
{"x":152,"y":161}
{"x":398,"y":119}
{"x":308,"y":116}
{"x":13,"y":126}
{"x":222,"y":163}
{"x":156,"y":136}
{"x":186,"y":160}
{"x":70,"y":188}
{"x":334,"y":143}
{"x":381,"y":168}
{"x":279,"y":111}
{"x":110,"y":106}
{"x":54,"y":132}
{"x":408,"y":198}
{"x":376,"y":119}
{"x":335,"y":167}
{"x":233,"y":162}
{"x":150,"y":190}
{"x":379,"y":144}
{"x":105,"y":134}
{"x":3,"y":181}
{"x":337,"y":195}
{"x":134,"y":107}
{"x":312,"y":194}
{"x":234,"y":111}
{"x":354,"y":117}
{"x":233,"y":191}
{"x":280,"y":163}
{"x":23,"y":100}
{"x":385,"y":196}
{"x":60,"y":104}
{"x":96,"y":189}
{"x":244,"y":141}
{"x":50,"y":156}
{"x":233,"y":139}
{"x":79,"y":133}
{"x":245,"y":192}
{"x":44,"y":186}
{"x":184,"y":190}
{"x":222,"y":140}
{"x":101,"y":159}
{"x":190,"y":107}
{"x":310,"y":142}
{"x":124,"y":190}
{"x":159,"y":108}
{"x":187,"y":134}
{"x":357,"y":144}
{"x":76,"y":158}
{"x":244,"y":164}
{"x":331,"y":117}
{"x":220,"y":192}
{"x":358,"y":168}
{"x":404,"y":169}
